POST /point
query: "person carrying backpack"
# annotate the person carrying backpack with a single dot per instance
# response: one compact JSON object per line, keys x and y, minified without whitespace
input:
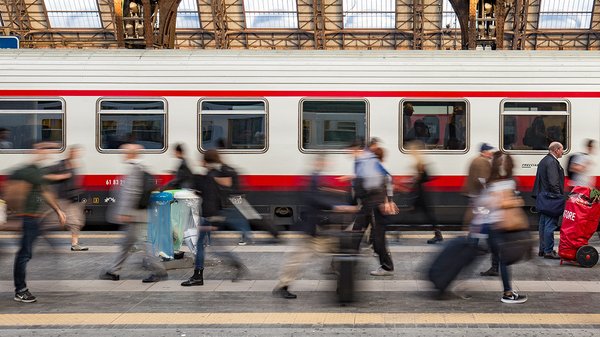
{"x":129,"y":211}
{"x":31,"y":214}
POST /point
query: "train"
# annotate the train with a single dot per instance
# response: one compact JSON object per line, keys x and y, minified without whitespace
{"x":269,"y":112}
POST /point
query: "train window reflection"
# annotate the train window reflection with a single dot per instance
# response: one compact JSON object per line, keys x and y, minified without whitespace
{"x":128,"y":121}
{"x":440,"y":125}
{"x":332,"y":124}
{"x":24,"y":123}
{"x":528,"y":126}
{"x":233,"y":125}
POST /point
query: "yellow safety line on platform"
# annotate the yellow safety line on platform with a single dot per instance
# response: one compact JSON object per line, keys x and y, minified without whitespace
{"x":304,"y":318}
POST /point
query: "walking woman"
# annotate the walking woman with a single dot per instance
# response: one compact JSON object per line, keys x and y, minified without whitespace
{"x":422,"y":200}
{"x":500,"y":196}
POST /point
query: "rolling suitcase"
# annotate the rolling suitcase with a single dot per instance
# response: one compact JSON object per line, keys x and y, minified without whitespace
{"x":458,"y":254}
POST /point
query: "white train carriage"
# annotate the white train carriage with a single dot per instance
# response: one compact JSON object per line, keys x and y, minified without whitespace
{"x":269,"y":111}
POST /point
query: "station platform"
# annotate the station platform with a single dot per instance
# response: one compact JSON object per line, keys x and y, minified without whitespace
{"x":564,"y":300}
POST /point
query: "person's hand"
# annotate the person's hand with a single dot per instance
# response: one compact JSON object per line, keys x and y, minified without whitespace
{"x":62,"y":218}
{"x":345,"y":178}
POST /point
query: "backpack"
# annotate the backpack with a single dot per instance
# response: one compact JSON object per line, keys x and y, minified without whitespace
{"x":148,"y":186}
{"x":14,"y":193}
{"x":570,"y":172}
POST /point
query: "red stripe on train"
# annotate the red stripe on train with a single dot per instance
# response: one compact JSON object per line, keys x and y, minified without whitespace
{"x":297,"y":182}
{"x":303,"y":93}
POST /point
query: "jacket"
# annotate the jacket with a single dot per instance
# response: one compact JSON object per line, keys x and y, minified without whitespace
{"x":183,"y":177}
{"x":550,"y":177}
{"x":479,"y":169}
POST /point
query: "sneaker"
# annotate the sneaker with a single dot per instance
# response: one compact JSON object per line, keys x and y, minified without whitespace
{"x":283,"y":292}
{"x":490,"y":272}
{"x":109,"y":276}
{"x":553,"y":255}
{"x":25,"y":297}
{"x":242,"y":243}
{"x":79,"y":248}
{"x":435,"y":239}
{"x":192,"y":282}
{"x":154,"y":278}
{"x":382,"y":272}
{"x":514,"y":298}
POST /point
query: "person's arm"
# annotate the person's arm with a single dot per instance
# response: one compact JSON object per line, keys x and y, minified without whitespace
{"x":51,"y":201}
{"x":554,"y":179}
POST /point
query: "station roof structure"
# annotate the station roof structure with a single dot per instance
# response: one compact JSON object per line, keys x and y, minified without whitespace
{"x":303,"y":24}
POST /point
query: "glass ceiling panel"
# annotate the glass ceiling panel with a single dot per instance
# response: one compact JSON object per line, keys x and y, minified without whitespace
{"x":370,"y":14}
{"x":73,"y":13}
{"x":566,"y":14}
{"x":271,"y":14}
{"x":449,"y":18}
{"x":187,"y":14}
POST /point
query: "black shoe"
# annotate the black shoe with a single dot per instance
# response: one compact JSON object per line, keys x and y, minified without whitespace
{"x":109,"y":276}
{"x":193,"y":282}
{"x":490,"y":272}
{"x":25,"y":297}
{"x":154,"y":278}
{"x":540,"y":253}
{"x":436,"y":238}
{"x":553,"y":256}
{"x":283,"y":293}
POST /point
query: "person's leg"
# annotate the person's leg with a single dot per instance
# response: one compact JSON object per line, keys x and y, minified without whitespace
{"x":292,"y":267}
{"x":423,"y":205}
{"x":550,"y":224}
{"x":30,"y":233}
{"x":126,"y":246}
{"x":197,"y":279}
{"x":76,"y":219}
{"x":541,"y":225}
{"x":379,"y":242}
{"x":236,"y":221}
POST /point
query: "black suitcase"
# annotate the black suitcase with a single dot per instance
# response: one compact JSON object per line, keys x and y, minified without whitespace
{"x":458,"y":254}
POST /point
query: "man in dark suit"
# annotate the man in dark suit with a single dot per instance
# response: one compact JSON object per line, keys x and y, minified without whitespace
{"x":550,"y":177}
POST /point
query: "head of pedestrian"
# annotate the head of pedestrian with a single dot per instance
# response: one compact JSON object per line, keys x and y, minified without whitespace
{"x":41,"y":150}
{"x":131,"y":151}
{"x":374,"y":143}
{"x":556,"y":149}
{"x":502,"y":166}
{"x":487,"y":150}
{"x":590,"y":146}
{"x":211,"y":158}
{"x":179,"y":151}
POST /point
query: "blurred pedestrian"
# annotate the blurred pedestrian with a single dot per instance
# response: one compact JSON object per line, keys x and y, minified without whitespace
{"x":422,"y":200}
{"x":127,"y":213}
{"x":501,"y":189}
{"x":580,"y":166}
{"x":479,"y":172}
{"x":183,"y":176}
{"x":214,"y":188}
{"x":66,"y":184}
{"x":549,"y":182}
{"x":33,"y":175}
{"x":316,"y":202}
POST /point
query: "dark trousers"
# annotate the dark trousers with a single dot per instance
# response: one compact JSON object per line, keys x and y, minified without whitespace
{"x":31,"y":231}
{"x":378,"y":236}
{"x":496,"y":239}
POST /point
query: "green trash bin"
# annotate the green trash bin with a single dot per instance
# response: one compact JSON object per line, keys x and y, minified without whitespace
{"x":185,"y":214}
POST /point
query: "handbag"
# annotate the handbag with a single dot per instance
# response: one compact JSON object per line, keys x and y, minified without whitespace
{"x":550,"y":204}
{"x":513,"y":219}
{"x":515,"y":246}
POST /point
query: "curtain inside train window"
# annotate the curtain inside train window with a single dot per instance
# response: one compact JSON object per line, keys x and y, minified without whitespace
{"x":73,"y":13}
{"x":233,"y":125}
{"x":369,"y":14}
{"x":271,"y":14}
{"x":24,"y":123}
{"x":532,"y":126}
{"x":439,"y":124}
{"x":562,"y":14}
{"x":132,"y":121}
{"x":333,"y":124}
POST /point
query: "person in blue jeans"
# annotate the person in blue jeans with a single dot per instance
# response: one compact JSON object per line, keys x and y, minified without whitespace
{"x":214,"y":188}
{"x":550,"y":177}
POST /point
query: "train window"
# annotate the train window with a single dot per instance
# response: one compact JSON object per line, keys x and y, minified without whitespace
{"x":532,"y":126}
{"x":233,"y":125}
{"x":440,"y":125}
{"x":132,"y":121}
{"x":332,"y":124}
{"x":24,"y":123}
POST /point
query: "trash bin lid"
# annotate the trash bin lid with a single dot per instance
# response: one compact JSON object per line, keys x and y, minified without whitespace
{"x":161,"y":197}
{"x":185,"y":194}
